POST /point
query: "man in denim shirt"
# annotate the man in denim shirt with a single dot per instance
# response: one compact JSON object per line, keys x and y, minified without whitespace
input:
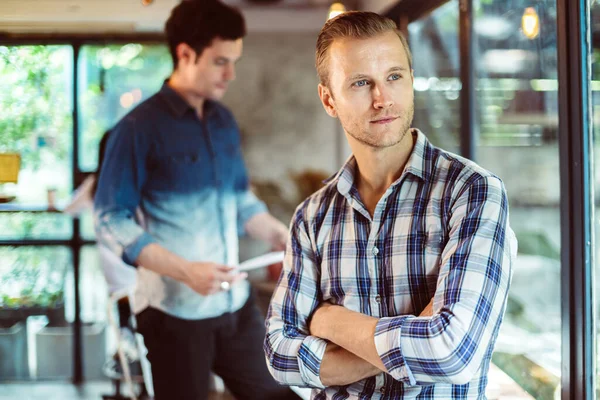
{"x":177,"y":158}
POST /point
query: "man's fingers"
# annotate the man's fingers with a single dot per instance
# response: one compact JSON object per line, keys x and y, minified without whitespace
{"x":239,"y":277}
{"x":224,"y":268}
{"x":230,"y":277}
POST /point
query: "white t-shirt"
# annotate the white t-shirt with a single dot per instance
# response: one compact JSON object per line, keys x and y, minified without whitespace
{"x":119,"y":276}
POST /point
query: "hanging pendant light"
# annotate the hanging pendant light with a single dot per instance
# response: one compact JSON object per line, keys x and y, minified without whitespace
{"x":530,"y":22}
{"x":335,"y":10}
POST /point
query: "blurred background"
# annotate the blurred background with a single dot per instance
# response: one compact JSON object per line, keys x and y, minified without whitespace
{"x":486,"y":86}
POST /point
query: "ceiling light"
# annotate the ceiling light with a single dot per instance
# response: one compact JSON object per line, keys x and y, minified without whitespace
{"x":336,"y":9}
{"x":530,"y":23}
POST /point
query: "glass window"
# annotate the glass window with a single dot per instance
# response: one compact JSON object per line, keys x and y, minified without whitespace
{"x":437,"y":85}
{"x":30,"y":225}
{"x":114,"y":79}
{"x":517,"y":111}
{"x":32,"y":303}
{"x":595,"y":87}
{"x":516,"y":89}
{"x":36,"y":123}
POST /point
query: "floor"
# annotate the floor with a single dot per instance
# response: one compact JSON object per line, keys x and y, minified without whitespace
{"x":501,"y":387}
{"x":66,"y":391}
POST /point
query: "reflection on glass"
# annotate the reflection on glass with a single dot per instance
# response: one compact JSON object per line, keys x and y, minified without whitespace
{"x":518,"y":115}
{"x":517,"y":112}
{"x":436,"y":69}
{"x":114,"y":79}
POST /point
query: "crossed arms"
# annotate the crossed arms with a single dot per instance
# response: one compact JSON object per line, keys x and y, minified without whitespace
{"x":312,"y":343}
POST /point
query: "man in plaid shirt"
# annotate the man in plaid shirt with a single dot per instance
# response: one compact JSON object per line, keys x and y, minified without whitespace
{"x":397,"y":272}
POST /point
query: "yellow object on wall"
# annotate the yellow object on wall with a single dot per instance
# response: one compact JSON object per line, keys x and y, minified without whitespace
{"x":10,"y":164}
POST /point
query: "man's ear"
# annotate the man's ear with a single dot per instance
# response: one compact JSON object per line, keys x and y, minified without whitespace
{"x":327,"y":100}
{"x":185,"y":54}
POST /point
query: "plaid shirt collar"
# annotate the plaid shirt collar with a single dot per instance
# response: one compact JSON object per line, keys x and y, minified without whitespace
{"x":419,"y":164}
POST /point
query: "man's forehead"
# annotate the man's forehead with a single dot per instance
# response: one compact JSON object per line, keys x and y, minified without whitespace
{"x":358,"y":47}
{"x":349,"y":54}
{"x":225,"y":47}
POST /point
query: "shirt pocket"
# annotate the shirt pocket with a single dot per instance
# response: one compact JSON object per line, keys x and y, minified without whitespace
{"x":182,"y":173}
{"x":432,"y":241}
{"x":231,"y":170}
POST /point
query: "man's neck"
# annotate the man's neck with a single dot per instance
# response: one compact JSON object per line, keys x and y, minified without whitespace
{"x":193,"y":100}
{"x":379,"y":168}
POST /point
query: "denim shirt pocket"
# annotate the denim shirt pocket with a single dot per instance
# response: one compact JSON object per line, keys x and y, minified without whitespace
{"x":182,"y":172}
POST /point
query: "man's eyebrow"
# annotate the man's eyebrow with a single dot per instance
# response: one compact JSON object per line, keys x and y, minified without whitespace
{"x":398,"y":69}
{"x":363,"y":76}
{"x":356,"y":77}
{"x":228,"y":60}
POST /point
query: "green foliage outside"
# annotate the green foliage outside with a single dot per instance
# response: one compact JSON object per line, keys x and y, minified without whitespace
{"x":35,"y":101}
{"x":32,"y":276}
{"x":108,"y":73}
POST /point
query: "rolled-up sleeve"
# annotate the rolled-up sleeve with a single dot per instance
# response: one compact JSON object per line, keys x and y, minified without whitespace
{"x":294,"y":356}
{"x":469,"y":301}
{"x":118,"y":194}
{"x":248,"y":205}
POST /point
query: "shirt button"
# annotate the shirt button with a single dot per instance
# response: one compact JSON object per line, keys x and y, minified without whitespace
{"x":375,"y":251}
{"x":378,"y":299}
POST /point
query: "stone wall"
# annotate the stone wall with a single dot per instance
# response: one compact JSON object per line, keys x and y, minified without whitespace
{"x":285,"y":129}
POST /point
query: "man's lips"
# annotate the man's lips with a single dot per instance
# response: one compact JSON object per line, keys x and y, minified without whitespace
{"x":384,"y":120}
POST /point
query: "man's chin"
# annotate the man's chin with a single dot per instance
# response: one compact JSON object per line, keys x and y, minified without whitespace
{"x":218,"y":96}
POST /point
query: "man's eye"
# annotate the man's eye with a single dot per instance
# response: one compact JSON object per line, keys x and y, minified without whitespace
{"x":395,"y":77}
{"x":360,"y":83}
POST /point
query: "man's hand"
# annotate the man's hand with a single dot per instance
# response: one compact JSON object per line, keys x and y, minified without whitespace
{"x":428,"y":310}
{"x":265,"y":227}
{"x":207,"y":278}
{"x":203,"y":277}
{"x":279,"y":237}
{"x":348,"y":329}
{"x":319,"y":323}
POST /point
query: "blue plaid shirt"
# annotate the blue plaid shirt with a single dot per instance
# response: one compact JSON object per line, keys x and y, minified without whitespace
{"x":440,"y":231}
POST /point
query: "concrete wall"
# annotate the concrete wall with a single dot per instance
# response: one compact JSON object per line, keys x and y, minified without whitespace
{"x":285,"y":129}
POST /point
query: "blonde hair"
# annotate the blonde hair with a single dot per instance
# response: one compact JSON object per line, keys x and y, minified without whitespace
{"x":353,"y":24}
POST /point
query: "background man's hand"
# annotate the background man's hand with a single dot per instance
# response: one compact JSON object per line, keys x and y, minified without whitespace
{"x":279,"y":238}
{"x":206,"y":277}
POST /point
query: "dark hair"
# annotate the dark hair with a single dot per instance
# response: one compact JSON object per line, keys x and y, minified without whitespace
{"x":101,"y":153}
{"x":197,"y":23}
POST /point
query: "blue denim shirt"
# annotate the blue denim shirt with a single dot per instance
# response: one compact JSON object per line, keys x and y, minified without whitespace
{"x":187,"y":177}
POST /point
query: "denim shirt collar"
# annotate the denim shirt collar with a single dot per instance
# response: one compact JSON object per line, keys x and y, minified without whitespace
{"x":178,"y":105}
